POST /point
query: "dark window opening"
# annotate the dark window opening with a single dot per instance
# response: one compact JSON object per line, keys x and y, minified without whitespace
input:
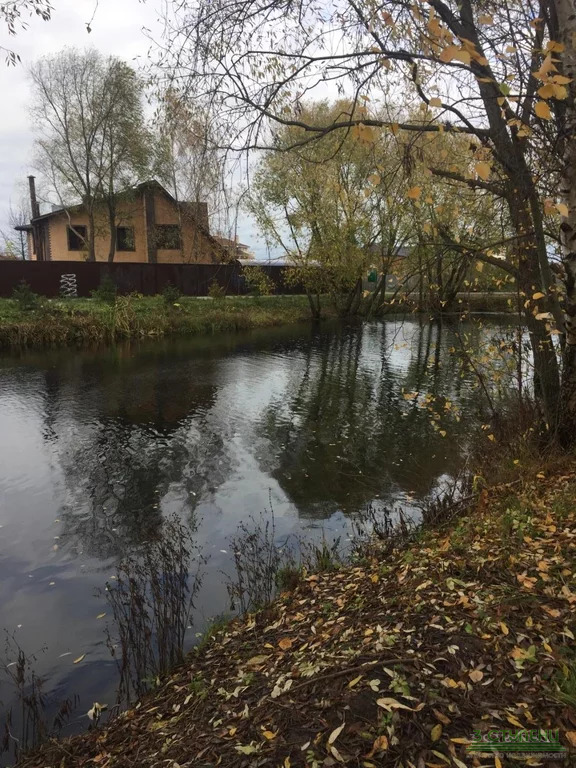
{"x":125,"y":239}
{"x":77,"y":237}
{"x":168,"y":237}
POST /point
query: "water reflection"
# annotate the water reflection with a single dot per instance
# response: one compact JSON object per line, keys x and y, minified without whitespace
{"x":343,"y":432}
{"x":98,"y":447}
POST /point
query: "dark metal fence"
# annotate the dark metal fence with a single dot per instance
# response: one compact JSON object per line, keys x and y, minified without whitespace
{"x":43,"y":277}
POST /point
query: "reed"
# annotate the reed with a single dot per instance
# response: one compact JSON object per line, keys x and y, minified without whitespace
{"x":87,"y":322}
{"x":151,"y":600}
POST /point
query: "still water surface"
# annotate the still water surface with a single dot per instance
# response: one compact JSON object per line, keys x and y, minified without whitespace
{"x":95,"y":447}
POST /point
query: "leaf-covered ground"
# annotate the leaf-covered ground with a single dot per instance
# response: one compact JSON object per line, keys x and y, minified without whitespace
{"x":391,"y":663}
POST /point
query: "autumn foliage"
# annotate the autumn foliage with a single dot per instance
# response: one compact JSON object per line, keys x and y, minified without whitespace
{"x":393,"y":661}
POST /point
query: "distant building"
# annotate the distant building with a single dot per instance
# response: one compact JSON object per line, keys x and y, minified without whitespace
{"x":236,"y":249}
{"x":151,"y":226}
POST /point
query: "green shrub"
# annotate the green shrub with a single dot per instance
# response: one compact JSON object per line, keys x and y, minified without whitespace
{"x":25,"y":296}
{"x":106,"y":291}
{"x":170,"y":294}
{"x":258,"y":282}
{"x":215,"y":290}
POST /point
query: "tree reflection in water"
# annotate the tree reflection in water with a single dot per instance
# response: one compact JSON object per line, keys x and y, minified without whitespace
{"x":144,"y":434}
{"x":349,"y":429}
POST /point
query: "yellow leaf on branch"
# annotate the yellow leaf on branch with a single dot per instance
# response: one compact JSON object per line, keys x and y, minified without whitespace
{"x":483,"y":170}
{"x":542,"y":110}
{"x":560,"y":92}
{"x":545,"y":69}
{"x":546,"y":91}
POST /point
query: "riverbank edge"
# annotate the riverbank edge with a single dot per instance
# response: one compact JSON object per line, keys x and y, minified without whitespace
{"x":396,"y":660}
{"x":88,"y":322}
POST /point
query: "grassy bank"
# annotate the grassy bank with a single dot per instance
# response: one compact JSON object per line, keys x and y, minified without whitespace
{"x":82,"y":322}
{"x":395,"y":661}
{"x":90,"y":321}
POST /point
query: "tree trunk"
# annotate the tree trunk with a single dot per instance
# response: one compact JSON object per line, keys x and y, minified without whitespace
{"x":566,"y":23}
{"x":314,"y":304}
{"x":112,"y":226}
{"x":530,"y":280}
{"x":91,"y":235}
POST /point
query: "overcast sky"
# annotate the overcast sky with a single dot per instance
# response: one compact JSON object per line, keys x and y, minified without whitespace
{"x":120,"y":27}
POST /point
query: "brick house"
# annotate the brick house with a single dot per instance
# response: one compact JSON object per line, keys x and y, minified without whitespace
{"x":151,"y":226}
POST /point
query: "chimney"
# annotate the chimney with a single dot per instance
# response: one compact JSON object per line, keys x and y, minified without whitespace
{"x":33,"y":201}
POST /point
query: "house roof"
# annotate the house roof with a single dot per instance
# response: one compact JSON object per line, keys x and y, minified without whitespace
{"x":229,"y":243}
{"x":191,"y":207}
{"x":150,"y":184}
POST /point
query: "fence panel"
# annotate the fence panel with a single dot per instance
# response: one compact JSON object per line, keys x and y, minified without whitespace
{"x":43,"y":277}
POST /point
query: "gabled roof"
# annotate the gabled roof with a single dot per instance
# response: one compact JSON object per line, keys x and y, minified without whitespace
{"x":190,"y":207}
{"x":151,"y":184}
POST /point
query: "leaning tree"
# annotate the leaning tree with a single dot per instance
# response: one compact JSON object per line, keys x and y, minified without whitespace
{"x":501,"y":72}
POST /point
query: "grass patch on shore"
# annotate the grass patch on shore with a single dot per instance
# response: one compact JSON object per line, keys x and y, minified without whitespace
{"x":56,"y":322}
{"x":393,"y":662}
{"x":84,"y":322}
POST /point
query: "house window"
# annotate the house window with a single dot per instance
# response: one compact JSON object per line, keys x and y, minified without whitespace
{"x":125,"y":239}
{"x":168,"y":237}
{"x":77,"y":237}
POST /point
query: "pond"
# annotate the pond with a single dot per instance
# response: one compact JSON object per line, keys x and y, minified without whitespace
{"x":97,"y":446}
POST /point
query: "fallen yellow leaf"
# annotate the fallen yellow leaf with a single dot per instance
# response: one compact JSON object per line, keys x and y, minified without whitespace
{"x":571,"y":736}
{"x":335,"y":733}
{"x":285,"y":644}
{"x":380,"y":745}
{"x":442,"y":717}
{"x":79,"y":659}
{"x":387,"y":703}
{"x":436,"y":732}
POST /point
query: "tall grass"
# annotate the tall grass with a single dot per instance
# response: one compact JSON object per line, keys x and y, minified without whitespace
{"x":25,"y":723}
{"x":152,"y":598}
{"x":83,"y":322}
